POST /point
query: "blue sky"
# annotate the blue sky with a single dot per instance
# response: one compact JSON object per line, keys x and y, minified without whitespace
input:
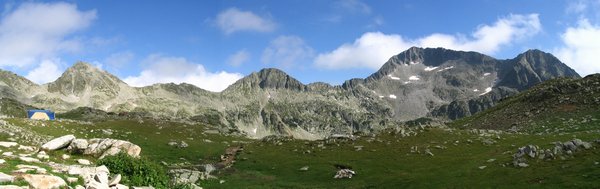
{"x":211,"y":44}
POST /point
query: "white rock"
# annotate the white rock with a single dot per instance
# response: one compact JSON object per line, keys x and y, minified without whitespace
{"x":7,"y":154}
{"x":27,"y":148}
{"x":72,"y":179}
{"x":44,"y":181}
{"x":2,"y":161}
{"x":120,"y":186}
{"x":25,"y":168}
{"x":96,"y":185}
{"x":116,"y":179}
{"x":8,"y":144}
{"x":65,"y":156}
{"x":29,"y":159}
{"x":12,"y":187}
{"x":84,"y":162}
{"x":58,"y":143}
{"x":482,"y":167}
{"x":6,"y":178}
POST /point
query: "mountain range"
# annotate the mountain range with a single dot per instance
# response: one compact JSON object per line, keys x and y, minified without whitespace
{"x":436,"y":83}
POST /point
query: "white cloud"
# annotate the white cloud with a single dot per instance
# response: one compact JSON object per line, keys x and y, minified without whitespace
{"x":234,"y":20}
{"x":36,"y":31}
{"x":164,"y":69}
{"x":581,"y":47}
{"x":287,"y":51}
{"x":47,"y":71}
{"x":353,"y":6}
{"x":238,"y":58}
{"x":373,"y":49}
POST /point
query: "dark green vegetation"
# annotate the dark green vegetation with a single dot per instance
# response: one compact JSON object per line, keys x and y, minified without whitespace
{"x":136,"y":171}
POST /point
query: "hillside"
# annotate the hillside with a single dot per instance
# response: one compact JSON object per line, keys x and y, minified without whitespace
{"x":557,"y":105}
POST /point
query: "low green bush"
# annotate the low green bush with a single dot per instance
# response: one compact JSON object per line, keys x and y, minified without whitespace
{"x":136,"y":171}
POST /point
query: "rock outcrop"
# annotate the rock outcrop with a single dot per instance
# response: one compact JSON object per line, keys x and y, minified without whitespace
{"x":97,"y":147}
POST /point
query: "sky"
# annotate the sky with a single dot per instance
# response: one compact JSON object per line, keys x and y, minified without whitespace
{"x":213,"y":43}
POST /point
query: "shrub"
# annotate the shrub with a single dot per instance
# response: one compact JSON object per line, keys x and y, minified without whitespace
{"x":136,"y":171}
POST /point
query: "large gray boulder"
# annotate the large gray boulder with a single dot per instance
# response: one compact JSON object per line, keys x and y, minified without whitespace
{"x":58,"y":143}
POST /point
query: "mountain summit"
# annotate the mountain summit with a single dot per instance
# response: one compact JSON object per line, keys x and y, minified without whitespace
{"x":82,"y":78}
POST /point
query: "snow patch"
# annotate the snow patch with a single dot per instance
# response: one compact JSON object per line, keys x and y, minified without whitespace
{"x":475,"y":90}
{"x":428,"y":69}
{"x":411,"y":62}
{"x":446,"y":68}
{"x":254,"y":130}
{"x":406,"y":82}
{"x":414,"y":78}
{"x":381,"y":96}
{"x":393,"y":96}
{"x":486,"y":74}
{"x":487,"y":90}
{"x":394,"y":78}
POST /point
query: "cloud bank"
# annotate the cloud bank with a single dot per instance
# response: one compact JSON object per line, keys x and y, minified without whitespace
{"x":166,"y":69}
{"x":373,"y":49}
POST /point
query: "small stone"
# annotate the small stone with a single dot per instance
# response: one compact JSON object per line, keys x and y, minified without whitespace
{"x":7,"y":154}
{"x":305,"y":168}
{"x":523,"y":164}
{"x":491,"y":160}
{"x":72,"y":179}
{"x":84,"y":162}
{"x":2,"y":161}
{"x":8,"y":144}
{"x":221,"y":181}
{"x":482,"y":167}
{"x":65,"y":156}
{"x":29,"y":159}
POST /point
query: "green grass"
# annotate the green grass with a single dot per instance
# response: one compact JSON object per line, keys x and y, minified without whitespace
{"x":386,"y":161}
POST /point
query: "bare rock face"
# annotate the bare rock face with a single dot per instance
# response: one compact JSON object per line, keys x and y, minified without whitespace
{"x":44,"y":181}
{"x":58,"y":143}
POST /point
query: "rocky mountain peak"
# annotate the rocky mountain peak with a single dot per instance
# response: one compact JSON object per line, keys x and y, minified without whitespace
{"x":82,"y":77}
{"x":269,"y":78}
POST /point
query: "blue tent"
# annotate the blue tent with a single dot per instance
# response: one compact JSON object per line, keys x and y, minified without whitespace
{"x":40,"y":114}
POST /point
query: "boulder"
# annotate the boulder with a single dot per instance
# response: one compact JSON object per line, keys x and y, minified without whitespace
{"x":78,"y":146}
{"x":44,"y":181}
{"x":58,"y":143}
{"x":108,"y":147}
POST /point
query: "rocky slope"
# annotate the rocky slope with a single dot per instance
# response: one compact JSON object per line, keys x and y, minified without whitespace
{"x":543,"y":106}
{"x":416,"y":83}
